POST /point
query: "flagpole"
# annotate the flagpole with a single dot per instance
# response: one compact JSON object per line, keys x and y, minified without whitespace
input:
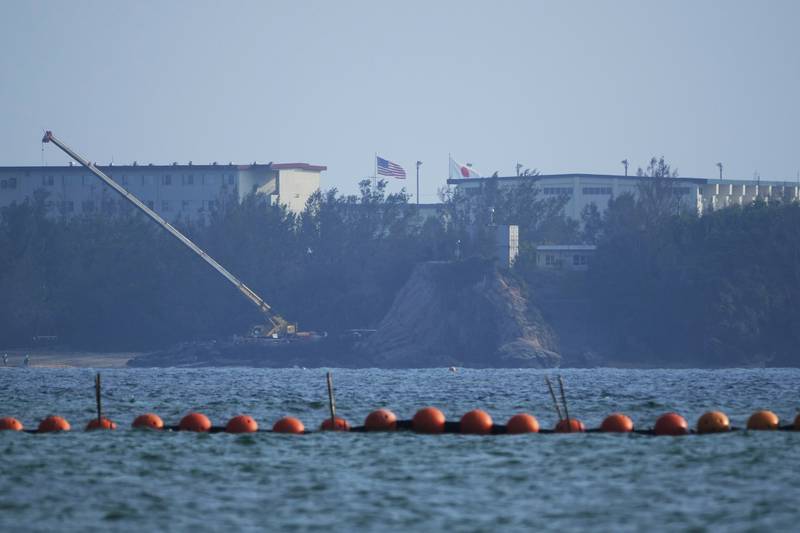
{"x":449,"y":159}
{"x":375,"y":173}
{"x":419,"y":163}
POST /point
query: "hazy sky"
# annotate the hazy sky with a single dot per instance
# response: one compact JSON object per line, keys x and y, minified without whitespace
{"x":560,"y":86}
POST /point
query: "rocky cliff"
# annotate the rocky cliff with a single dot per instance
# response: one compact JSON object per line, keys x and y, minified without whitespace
{"x":461,"y":313}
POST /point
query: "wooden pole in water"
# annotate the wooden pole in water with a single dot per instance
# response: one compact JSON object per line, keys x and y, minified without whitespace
{"x":564,"y":401}
{"x":331,"y":400}
{"x":553,"y":396}
{"x":97,"y":397}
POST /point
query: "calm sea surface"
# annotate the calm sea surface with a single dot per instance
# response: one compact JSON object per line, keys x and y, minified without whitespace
{"x":132,"y":481}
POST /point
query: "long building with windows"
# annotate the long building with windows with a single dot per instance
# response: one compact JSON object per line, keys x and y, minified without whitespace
{"x":699,"y":194}
{"x":176,"y":192}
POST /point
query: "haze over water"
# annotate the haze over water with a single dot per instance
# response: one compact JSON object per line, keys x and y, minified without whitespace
{"x":131,"y":481}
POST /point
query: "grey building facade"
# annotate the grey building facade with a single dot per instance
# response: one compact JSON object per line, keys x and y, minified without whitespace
{"x":176,"y":192}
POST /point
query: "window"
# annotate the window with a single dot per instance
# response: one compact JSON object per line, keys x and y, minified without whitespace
{"x":212,"y":204}
{"x":549,"y":260}
{"x":185,"y":205}
{"x":557,"y":191}
{"x":597,"y":190}
{"x":48,"y":181}
{"x":87,"y":206}
{"x":165,"y":205}
{"x":230,"y":179}
{"x":580,"y":260}
{"x":188,"y":180}
{"x":680,"y":191}
{"x":166,"y":179}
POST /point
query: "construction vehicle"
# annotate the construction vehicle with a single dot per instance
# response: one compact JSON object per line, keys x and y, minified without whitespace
{"x":275,"y":328}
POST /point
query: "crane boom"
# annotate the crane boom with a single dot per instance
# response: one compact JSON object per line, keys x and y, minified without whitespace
{"x":279,"y":325}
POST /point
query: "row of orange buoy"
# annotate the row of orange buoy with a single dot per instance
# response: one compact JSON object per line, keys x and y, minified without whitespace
{"x":428,"y":420}
{"x":197,"y":422}
{"x":432,"y":420}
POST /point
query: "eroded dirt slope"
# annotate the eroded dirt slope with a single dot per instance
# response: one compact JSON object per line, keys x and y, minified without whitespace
{"x":461,"y":313}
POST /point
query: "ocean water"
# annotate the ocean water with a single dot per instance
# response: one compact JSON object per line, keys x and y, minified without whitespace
{"x":141,"y":481}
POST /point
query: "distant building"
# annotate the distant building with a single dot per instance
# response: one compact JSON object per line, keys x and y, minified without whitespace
{"x":698,"y":194}
{"x":506,"y":245}
{"x":564,"y":256}
{"x":185,"y":192}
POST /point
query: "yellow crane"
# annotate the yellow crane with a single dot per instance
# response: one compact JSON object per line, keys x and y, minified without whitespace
{"x":276,"y":327}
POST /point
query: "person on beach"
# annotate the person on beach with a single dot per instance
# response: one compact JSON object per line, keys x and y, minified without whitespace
{"x":5,"y":359}
{"x":27,"y":360}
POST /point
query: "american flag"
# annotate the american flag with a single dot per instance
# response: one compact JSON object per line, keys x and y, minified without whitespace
{"x":387,"y":168}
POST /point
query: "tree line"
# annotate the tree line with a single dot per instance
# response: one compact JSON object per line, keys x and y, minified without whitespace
{"x":665,"y":284}
{"x":114,"y":280}
{"x":670,"y":286}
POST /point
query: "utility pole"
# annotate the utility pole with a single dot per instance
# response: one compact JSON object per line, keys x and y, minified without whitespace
{"x":720,"y":171}
{"x":519,"y":167}
{"x":625,"y":164}
{"x":419,"y":164}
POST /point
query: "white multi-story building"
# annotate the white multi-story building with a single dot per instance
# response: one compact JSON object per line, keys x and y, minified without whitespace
{"x":580,"y":190}
{"x":176,"y":192}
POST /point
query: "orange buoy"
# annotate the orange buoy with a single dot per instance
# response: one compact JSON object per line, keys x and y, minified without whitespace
{"x":241,"y":424}
{"x":763,"y":420}
{"x":671,"y":424}
{"x":10,"y":424}
{"x":288,"y":424}
{"x":53,"y":423}
{"x":148,"y":421}
{"x":339,"y":424}
{"x":428,"y":420}
{"x":522,"y":423}
{"x":476,"y":422}
{"x":617,"y":423}
{"x":380,"y":420}
{"x":574,"y":426}
{"x":103,"y":423}
{"x":713,"y":422}
{"x":195,"y":422}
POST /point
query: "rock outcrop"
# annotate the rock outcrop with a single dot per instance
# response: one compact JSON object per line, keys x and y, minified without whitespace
{"x":461,"y":313}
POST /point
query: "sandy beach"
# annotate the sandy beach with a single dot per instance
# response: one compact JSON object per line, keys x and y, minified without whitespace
{"x":61,"y":359}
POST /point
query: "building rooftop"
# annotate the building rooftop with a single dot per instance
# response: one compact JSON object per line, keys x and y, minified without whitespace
{"x":190,"y":164}
{"x":298,"y":166}
{"x":570,"y":175}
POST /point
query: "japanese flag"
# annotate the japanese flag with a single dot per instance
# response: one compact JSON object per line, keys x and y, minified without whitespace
{"x":459,"y":171}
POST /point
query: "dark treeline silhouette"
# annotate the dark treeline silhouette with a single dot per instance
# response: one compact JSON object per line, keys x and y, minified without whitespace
{"x":114,"y":280}
{"x":722,"y":289}
{"x":665,"y":286}
{"x":117,"y":281}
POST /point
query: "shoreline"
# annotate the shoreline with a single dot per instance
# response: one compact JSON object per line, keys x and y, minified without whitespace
{"x":87,"y":359}
{"x":67,"y":359}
